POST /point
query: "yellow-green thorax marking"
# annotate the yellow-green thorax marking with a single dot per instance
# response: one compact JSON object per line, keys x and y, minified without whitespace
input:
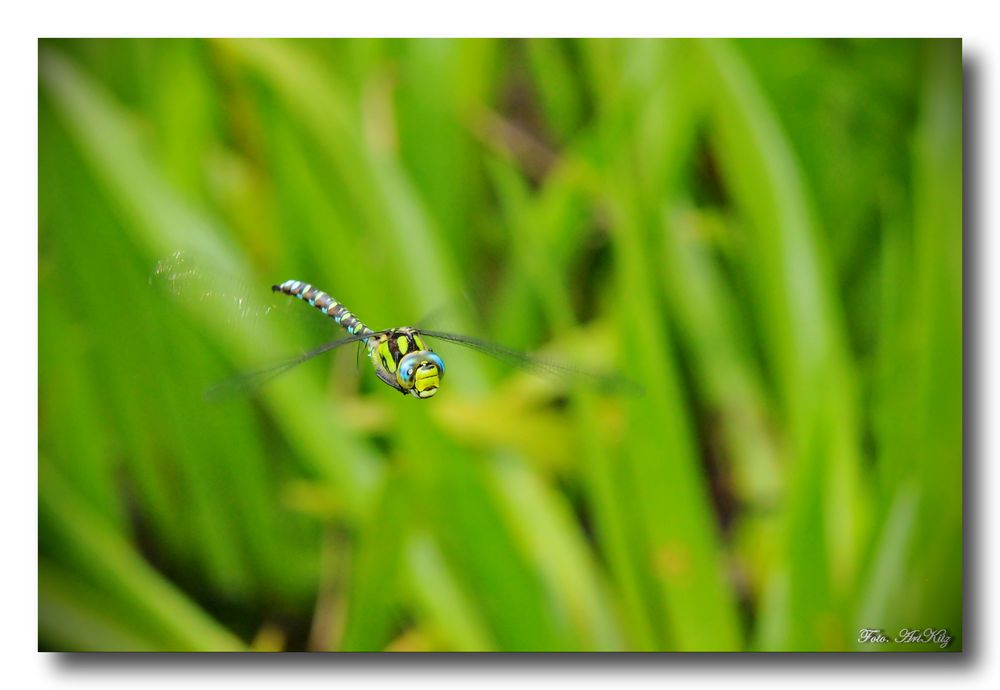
{"x":399,"y":355}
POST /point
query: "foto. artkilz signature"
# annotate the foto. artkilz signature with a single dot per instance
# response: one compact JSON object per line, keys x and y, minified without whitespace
{"x":938,"y":636}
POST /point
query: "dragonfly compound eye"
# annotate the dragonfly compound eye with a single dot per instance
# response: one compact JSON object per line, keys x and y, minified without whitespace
{"x":420,"y":373}
{"x":407,"y":369}
{"x":434,"y":359}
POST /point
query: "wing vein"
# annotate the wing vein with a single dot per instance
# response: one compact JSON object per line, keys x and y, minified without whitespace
{"x":605,"y":382}
{"x":253,"y":380}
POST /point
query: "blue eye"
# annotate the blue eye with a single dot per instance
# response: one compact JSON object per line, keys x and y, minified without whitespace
{"x":414,"y":361}
{"x":433,"y":357}
{"x":407,"y":369}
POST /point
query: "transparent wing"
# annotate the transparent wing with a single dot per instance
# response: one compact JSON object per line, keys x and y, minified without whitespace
{"x":239,"y":302}
{"x":604,"y":382}
{"x":247,"y":383}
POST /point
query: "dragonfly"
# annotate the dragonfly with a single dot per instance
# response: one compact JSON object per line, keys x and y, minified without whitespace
{"x":401,"y":357}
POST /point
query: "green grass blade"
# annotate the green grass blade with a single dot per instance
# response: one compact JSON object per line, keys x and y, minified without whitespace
{"x":122,"y":574}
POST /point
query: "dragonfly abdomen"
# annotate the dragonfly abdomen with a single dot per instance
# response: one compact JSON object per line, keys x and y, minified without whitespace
{"x":326,"y":304}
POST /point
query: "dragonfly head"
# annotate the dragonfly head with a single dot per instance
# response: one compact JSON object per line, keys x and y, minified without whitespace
{"x":420,"y":373}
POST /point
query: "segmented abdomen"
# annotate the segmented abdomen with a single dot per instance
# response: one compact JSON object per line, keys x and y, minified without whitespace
{"x":326,"y":304}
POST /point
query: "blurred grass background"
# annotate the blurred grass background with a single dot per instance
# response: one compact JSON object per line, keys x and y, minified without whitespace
{"x":766,"y":233}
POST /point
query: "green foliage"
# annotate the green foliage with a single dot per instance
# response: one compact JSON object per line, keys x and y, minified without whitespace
{"x":765,"y":234}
